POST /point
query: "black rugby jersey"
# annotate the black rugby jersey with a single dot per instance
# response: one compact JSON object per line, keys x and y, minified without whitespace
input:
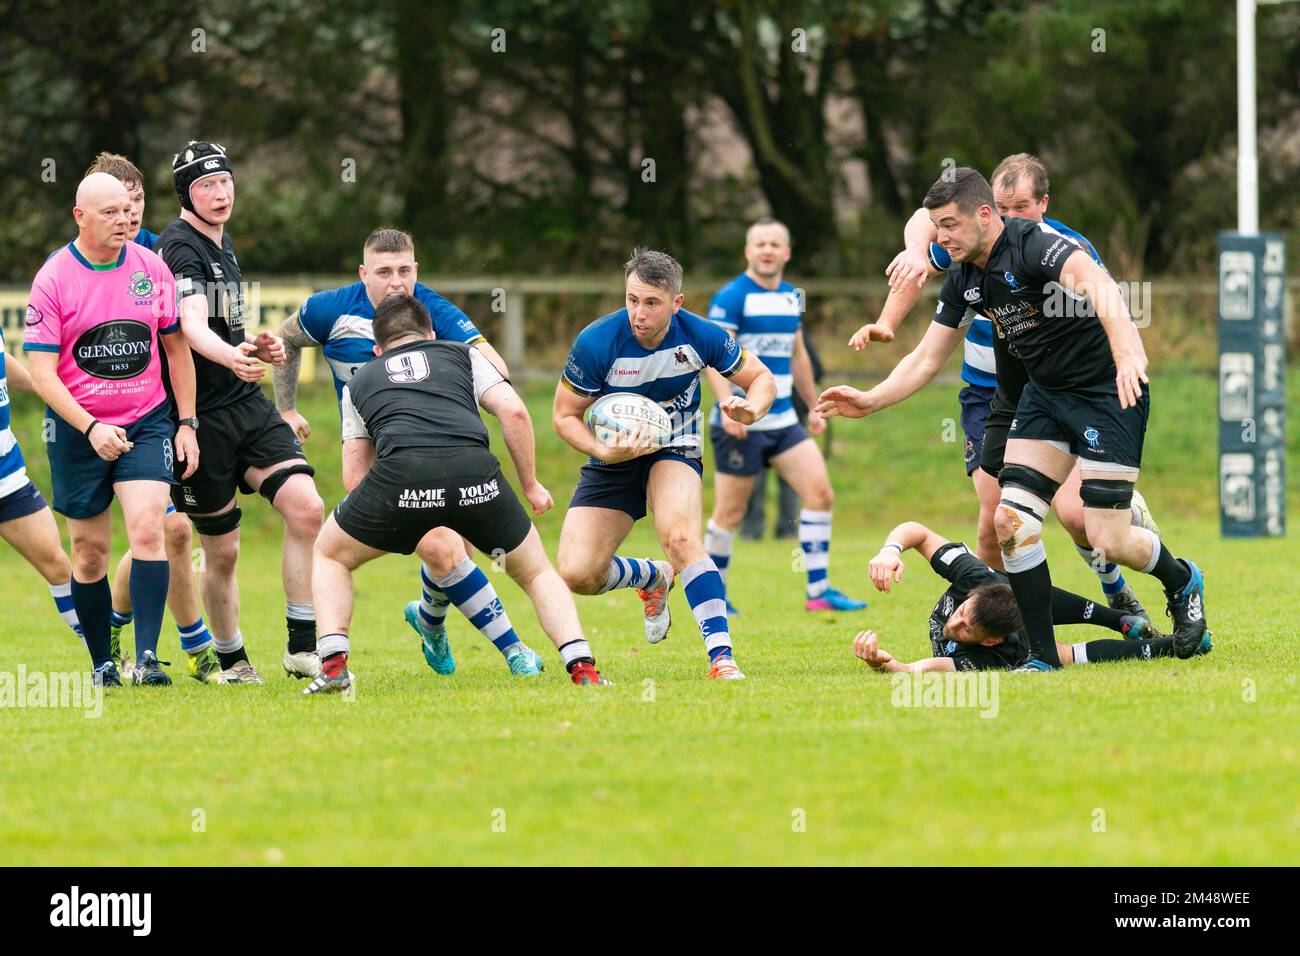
{"x":422,"y":395}
{"x":203,"y":268}
{"x":1042,"y":331}
{"x":965,"y":573}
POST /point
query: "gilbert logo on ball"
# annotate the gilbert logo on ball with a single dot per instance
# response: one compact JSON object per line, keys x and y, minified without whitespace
{"x":628,"y":412}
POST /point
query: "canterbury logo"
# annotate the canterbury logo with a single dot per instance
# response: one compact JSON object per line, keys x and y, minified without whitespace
{"x":1194,"y":607}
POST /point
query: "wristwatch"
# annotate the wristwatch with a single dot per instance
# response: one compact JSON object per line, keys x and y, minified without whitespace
{"x":192,"y":422}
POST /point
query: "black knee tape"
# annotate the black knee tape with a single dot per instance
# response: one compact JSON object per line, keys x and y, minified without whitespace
{"x":1114,"y":494}
{"x":213,"y":525}
{"x":273,"y":482}
{"x":1030,"y":479}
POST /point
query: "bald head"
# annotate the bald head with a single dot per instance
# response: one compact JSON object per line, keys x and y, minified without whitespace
{"x":103,"y":215}
{"x":98,"y":189}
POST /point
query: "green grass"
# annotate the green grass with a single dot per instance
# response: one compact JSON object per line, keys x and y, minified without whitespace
{"x":665,"y":767}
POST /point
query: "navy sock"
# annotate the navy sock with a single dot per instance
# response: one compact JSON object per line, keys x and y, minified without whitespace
{"x":1033,"y":590}
{"x":1068,"y":608}
{"x":1128,"y":650}
{"x":94,"y":604}
{"x":1173,"y":574}
{"x":148,"y":597}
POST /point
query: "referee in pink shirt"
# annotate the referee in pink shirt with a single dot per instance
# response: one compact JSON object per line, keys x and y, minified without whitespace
{"x":98,"y":309}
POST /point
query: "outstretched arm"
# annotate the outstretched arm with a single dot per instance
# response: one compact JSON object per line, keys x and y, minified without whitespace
{"x":866,"y":646}
{"x":915,"y":370}
{"x":887,"y":566}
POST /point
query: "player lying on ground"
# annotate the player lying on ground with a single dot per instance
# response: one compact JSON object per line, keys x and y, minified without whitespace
{"x":762,"y":312}
{"x":976,"y":624}
{"x":1020,"y":189}
{"x":340,"y":323}
{"x":655,"y":348}
{"x":246,"y":446}
{"x":178,"y":536}
{"x":95,"y":311}
{"x":428,"y":467}
{"x":1084,"y":398}
{"x":26,"y":521}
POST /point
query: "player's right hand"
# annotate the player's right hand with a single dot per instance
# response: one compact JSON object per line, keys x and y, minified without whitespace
{"x":538,"y":498}
{"x":843,"y":400}
{"x":301,"y":427}
{"x":871,"y":332}
{"x":908,"y":266}
{"x":1130,"y":374}
{"x":245,"y":363}
{"x":109,"y":441}
{"x":867,"y":647}
{"x":625,"y":447}
{"x":886,"y":568}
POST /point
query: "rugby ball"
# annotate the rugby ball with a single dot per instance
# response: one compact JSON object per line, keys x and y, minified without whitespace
{"x":626,"y":412}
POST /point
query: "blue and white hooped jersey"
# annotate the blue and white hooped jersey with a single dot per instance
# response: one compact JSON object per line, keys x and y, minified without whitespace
{"x":765,"y":323}
{"x":607,"y":358}
{"x":342,"y":321}
{"x":978,"y":366}
{"x":13,"y":470}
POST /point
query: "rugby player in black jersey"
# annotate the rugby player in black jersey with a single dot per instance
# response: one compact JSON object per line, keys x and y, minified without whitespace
{"x":244,"y":444}
{"x":414,"y":412}
{"x":976,"y":623}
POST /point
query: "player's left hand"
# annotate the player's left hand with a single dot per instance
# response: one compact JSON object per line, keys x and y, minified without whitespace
{"x":738,"y":409}
{"x":1130,"y":375}
{"x":187,"y":449}
{"x":538,"y":498}
{"x":867,"y":647}
{"x":816,"y":423}
{"x":270,"y":348}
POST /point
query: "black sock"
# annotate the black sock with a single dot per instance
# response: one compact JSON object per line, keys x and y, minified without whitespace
{"x":94,"y":604}
{"x":1126,"y":650}
{"x":302,"y":634}
{"x":1173,"y":574}
{"x":1033,"y":590}
{"x":1070,"y":608}
{"x":230,"y":658}
{"x":148,"y":596}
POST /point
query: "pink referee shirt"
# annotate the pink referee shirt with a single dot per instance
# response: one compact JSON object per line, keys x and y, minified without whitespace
{"x":104,"y":323}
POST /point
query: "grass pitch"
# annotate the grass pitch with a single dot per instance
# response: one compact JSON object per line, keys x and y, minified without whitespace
{"x":806,"y":762}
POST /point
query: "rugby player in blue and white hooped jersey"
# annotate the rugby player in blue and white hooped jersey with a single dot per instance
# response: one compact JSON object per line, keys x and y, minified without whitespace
{"x":763,"y":312}
{"x":652,"y":347}
{"x":340,"y":322}
{"x":1020,"y":187}
{"x":26,"y":521}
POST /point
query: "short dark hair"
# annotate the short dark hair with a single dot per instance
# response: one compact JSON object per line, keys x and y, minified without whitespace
{"x":994,"y":611}
{"x":964,"y":186}
{"x":388,"y":240}
{"x":398,"y":316}
{"x":1013,"y":168}
{"x":768,"y":221}
{"x":655,"y":268}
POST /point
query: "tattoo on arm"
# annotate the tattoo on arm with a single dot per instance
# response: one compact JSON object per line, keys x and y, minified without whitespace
{"x":285,"y":378}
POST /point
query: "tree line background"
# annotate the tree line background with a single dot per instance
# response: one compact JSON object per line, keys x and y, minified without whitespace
{"x":548,"y":136}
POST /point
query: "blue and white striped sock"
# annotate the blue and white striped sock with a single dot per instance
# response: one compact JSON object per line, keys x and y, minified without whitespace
{"x":433,"y":603}
{"x":474,"y":596}
{"x":195,"y":639}
{"x":1111,"y":577}
{"x":62,"y":594}
{"x":708,"y":600}
{"x":630,"y":573}
{"x":718,"y":541}
{"x":815,"y":539}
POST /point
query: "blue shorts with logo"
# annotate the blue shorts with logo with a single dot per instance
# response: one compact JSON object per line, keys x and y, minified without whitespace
{"x":975,"y":401}
{"x":748,"y":456}
{"x":622,"y":487}
{"x":27,"y":500}
{"x":83,"y":482}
